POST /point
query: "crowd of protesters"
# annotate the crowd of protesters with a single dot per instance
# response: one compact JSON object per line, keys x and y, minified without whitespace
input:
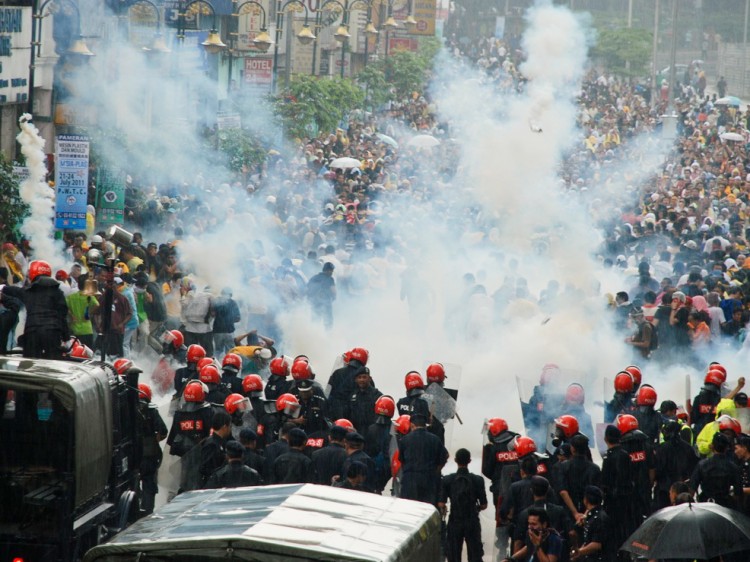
{"x":678,"y":236}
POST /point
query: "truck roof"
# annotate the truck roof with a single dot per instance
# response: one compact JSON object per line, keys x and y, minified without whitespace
{"x":284,"y":522}
{"x":83,"y":388}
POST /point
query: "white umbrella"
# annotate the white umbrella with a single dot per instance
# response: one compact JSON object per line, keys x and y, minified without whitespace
{"x":387,"y":140}
{"x":729,"y":100}
{"x":423,"y":141}
{"x":731,"y":137}
{"x":345,"y":163}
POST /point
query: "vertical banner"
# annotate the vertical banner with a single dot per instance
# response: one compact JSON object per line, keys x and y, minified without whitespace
{"x":110,"y":197}
{"x":71,"y":181}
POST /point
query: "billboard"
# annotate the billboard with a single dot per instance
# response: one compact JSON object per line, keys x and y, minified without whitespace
{"x":259,"y":72}
{"x":71,"y":181}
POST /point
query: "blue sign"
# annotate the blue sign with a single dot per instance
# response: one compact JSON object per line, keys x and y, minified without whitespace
{"x":71,"y":181}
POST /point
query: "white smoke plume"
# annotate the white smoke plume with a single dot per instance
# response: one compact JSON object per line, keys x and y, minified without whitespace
{"x":36,"y":193}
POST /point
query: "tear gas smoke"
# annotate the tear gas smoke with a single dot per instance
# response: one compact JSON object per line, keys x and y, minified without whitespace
{"x":36,"y":193}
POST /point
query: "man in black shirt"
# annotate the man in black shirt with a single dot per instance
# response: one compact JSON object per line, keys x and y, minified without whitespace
{"x":293,"y":467}
{"x":718,"y":477}
{"x":617,"y":486}
{"x":675,"y":462}
{"x":213,"y":449}
{"x":575,"y":475}
{"x":250,"y":456}
{"x":422,"y":457}
{"x":596,"y":545}
{"x":234,"y":474}
{"x":467,"y":497}
{"x":327,"y":462}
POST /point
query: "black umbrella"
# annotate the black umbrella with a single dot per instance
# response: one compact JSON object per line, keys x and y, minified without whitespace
{"x":691,"y":530}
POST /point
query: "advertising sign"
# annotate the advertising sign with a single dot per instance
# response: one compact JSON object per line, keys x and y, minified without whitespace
{"x":259,"y":72}
{"x":424,"y":12}
{"x":71,"y":181}
{"x":15,"y":38}
{"x":110,"y":197}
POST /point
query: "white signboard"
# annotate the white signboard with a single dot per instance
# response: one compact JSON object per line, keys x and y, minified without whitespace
{"x":15,"y":38}
{"x":71,"y":181}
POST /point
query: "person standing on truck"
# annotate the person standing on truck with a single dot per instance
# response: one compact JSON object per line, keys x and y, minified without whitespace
{"x":153,"y":431}
{"x":467,"y":497}
{"x":46,"y":324}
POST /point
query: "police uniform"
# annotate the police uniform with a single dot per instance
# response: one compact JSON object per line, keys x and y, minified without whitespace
{"x":704,"y":407}
{"x":327,"y":463}
{"x":719,"y":480}
{"x":415,"y":404}
{"x":649,"y":422}
{"x":360,"y":456}
{"x":213,"y":455}
{"x":342,"y":385}
{"x":638,"y":445}
{"x":232,"y":381}
{"x":622,"y":403}
{"x":495,"y":456}
{"x":378,"y":446}
{"x":464,"y":525}
{"x":313,"y":411}
{"x":596,"y":528}
{"x":233,"y":475}
{"x":421,"y":455}
{"x":152,"y":427}
{"x":183,"y":375}
{"x":675,"y":461}
{"x":617,"y":486}
{"x":190,"y":426}
{"x":276,"y":386}
{"x":361,"y":408}
{"x":217,"y":393}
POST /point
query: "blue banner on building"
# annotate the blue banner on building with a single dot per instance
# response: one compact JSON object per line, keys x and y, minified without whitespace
{"x":71,"y":181}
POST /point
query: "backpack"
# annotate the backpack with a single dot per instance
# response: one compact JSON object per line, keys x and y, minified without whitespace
{"x":463,"y":497}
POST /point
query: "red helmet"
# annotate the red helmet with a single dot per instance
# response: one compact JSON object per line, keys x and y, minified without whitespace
{"x":728,"y":422}
{"x":232,"y":362}
{"x":575,"y":394}
{"x":144,"y":392}
{"x":345,"y":423}
{"x":174,"y":337}
{"x":83,"y":352}
{"x":385,"y":406}
{"x":195,"y":391}
{"x":203,"y":362}
{"x":39,"y":267}
{"x":719,"y":367}
{"x":279,"y":366}
{"x":413,"y":380}
{"x":548,"y":373}
{"x":195,"y":353}
{"x":435,"y":373}
{"x":523,"y":446}
{"x":624,"y":382}
{"x":122,"y":365}
{"x":714,"y":376}
{"x":646,"y":396}
{"x":236,"y":403}
{"x":568,"y":424}
{"x":403,"y":424}
{"x":496,"y":426}
{"x":635,"y":372}
{"x":287,"y":403}
{"x":252,"y":383}
{"x":301,"y":370}
{"x":209,"y":374}
{"x":360,"y":354}
{"x":626,"y":423}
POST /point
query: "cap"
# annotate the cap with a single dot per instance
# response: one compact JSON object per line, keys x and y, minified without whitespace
{"x":337,"y":432}
{"x":667,"y":406}
{"x":248,"y":434}
{"x":234,"y":450}
{"x":354,"y":437}
{"x":305,"y":384}
{"x":418,"y":419}
{"x":96,"y":239}
{"x":118,"y":280}
{"x":741,"y":399}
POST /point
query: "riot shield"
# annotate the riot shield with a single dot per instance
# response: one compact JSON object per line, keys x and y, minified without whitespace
{"x":442,"y":404}
{"x":248,"y":422}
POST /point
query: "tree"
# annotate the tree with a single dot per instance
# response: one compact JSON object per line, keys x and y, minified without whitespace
{"x":615,"y":47}
{"x":312,"y":104}
{"x":242,"y":149}
{"x":13,"y":210}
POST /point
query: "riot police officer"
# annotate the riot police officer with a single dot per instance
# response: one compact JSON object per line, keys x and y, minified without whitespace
{"x":341,"y":382}
{"x":153,"y":431}
{"x":278,"y":383}
{"x":640,"y":448}
{"x":361,"y":408}
{"x":182,"y":375}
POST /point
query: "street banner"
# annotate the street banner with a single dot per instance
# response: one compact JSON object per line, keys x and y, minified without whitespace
{"x":110,"y":197}
{"x":71,"y":181}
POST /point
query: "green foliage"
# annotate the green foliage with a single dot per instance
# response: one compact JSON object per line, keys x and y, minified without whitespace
{"x":313,"y":104}
{"x":377,"y":90}
{"x":13,"y":210}
{"x":615,"y":47}
{"x":242,"y":148}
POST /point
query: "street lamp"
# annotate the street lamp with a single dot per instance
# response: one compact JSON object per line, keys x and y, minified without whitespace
{"x":305,"y":36}
{"x":213,"y":44}
{"x":77,"y":48}
{"x":157,"y":43}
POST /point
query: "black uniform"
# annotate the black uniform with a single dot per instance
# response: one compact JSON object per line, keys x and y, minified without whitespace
{"x":617,"y":483}
{"x":46,"y":325}
{"x":153,"y":428}
{"x":327,"y":462}
{"x":575,"y":474}
{"x":719,"y":480}
{"x":272,"y":452}
{"x":622,"y":403}
{"x":313,"y":410}
{"x":361,"y":408}
{"x":704,"y":407}
{"x":364,"y":458}
{"x":292,"y":467}
{"x":649,"y":422}
{"x":597,"y":528}
{"x":378,"y":446}
{"x":559,"y":520}
{"x":183,"y":375}
{"x":190,"y":426}
{"x":217,"y":393}
{"x":518,"y":497}
{"x":253,"y":459}
{"x":316,"y":441}
{"x":213,"y":456}
{"x":342,"y":387}
{"x":232,"y":381}
{"x":745,"y":480}
{"x":276,"y":386}
{"x":466,"y":493}
{"x":638,"y":445}
{"x":675,"y":461}
{"x":495,"y":456}
{"x":8,"y":318}
{"x":234,"y":475}
{"x":422,"y":456}
{"x":414,"y":403}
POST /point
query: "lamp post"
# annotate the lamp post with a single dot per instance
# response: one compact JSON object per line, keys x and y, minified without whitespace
{"x":213,"y":44}
{"x":305,"y":36}
{"x":77,"y":48}
{"x":262,"y":40}
{"x":157,"y":43}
